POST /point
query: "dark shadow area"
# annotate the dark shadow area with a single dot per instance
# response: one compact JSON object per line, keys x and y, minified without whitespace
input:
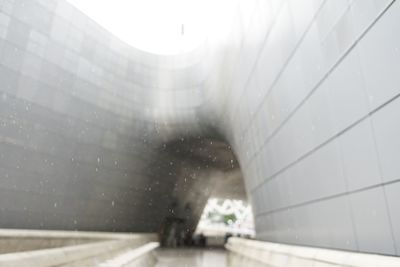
{"x":188,"y":171}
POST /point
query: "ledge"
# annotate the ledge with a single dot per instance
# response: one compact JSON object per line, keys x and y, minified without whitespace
{"x":119,"y":249}
{"x":252,"y":253}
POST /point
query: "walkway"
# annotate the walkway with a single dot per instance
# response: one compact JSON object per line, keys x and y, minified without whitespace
{"x":191,"y":258}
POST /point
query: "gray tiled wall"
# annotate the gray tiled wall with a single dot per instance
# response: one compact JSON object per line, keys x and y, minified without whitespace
{"x":77,"y":119}
{"x":316,"y":125}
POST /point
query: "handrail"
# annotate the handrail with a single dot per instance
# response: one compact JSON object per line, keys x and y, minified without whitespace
{"x":130,"y":255}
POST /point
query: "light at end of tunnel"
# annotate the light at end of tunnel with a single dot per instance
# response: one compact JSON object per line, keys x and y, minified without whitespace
{"x":226,"y":216}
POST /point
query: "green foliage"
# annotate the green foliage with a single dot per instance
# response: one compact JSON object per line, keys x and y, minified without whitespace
{"x":229,"y":218}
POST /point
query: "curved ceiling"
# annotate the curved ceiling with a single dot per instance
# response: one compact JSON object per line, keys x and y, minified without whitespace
{"x":161,"y":27}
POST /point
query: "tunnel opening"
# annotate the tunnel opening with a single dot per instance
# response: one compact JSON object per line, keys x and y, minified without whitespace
{"x":191,"y":170}
{"x":223,"y":218}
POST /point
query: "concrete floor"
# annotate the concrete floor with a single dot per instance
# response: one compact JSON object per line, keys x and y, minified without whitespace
{"x":191,"y":258}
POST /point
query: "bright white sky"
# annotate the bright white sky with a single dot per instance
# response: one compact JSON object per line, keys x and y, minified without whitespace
{"x":156,"y":25}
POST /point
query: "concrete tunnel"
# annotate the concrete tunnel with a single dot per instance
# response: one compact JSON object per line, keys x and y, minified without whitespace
{"x":294,"y":107}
